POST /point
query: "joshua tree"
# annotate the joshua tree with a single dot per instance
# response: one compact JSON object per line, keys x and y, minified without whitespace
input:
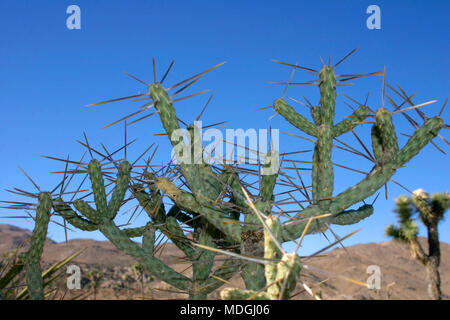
{"x":430,"y":211}
{"x":95,"y":277}
{"x":139,"y":275}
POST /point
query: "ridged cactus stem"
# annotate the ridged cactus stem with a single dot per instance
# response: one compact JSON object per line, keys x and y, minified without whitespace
{"x":323,"y":183}
{"x":34,"y":279}
{"x":378,"y":176}
{"x":150,"y":263}
{"x":202,"y":266}
{"x":212,"y":214}
{"x":98,"y":187}
{"x":387,"y":134}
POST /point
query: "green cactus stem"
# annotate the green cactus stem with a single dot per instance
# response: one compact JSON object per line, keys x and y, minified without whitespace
{"x":34,"y":279}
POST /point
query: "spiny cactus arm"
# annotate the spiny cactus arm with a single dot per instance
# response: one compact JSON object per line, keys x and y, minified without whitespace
{"x":151,"y":264}
{"x":351,"y":121}
{"x":377,"y":144}
{"x":137,"y":231}
{"x":323,"y":183}
{"x":365,"y":188}
{"x":421,"y":137}
{"x":269,"y":179}
{"x":296,"y":119}
{"x":104,"y":211}
{"x":348,"y":217}
{"x":86,"y":210}
{"x":205,"y":177}
{"x":72,"y":217}
{"x":202,"y":265}
{"x":122,"y":180}
{"x":327,"y":102}
{"x":165,"y":109}
{"x":98,"y":187}
{"x":148,"y":241}
{"x":266,"y":197}
{"x":241,"y":294}
{"x":169,"y":120}
{"x":204,"y":258}
{"x":212,"y":214}
{"x":183,"y":199}
{"x":380,"y":175}
{"x":323,"y":172}
{"x":35,"y":282}
{"x":387,"y":133}
{"x":168,"y":225}
{"x":293,"y":230}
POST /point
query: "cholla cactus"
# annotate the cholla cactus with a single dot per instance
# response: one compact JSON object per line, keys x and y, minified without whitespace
{"x":210,"y":198}
{"x":208,"y":207}
{"x":431,"y":211}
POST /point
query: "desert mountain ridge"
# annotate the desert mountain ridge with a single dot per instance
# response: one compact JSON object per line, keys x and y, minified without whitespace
{"x":401,"y":276}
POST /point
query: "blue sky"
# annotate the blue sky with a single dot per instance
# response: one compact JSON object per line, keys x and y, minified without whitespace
{"x":49,"y":73}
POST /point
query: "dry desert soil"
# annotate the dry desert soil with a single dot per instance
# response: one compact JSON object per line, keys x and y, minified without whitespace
{"x":401,"y":276}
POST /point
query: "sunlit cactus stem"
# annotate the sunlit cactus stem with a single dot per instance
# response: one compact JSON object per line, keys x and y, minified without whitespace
{"x":32,"y":259}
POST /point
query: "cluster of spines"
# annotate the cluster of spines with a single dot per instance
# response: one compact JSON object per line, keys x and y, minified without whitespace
{"x":389,"y":157}
{"x":101,"y":218}
{"x":199,"y":207}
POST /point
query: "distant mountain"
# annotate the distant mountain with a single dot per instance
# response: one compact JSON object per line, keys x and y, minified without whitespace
{"x":401,"y":276}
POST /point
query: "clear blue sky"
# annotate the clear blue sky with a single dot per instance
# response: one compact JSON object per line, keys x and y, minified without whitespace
{"x":49,"y":73}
